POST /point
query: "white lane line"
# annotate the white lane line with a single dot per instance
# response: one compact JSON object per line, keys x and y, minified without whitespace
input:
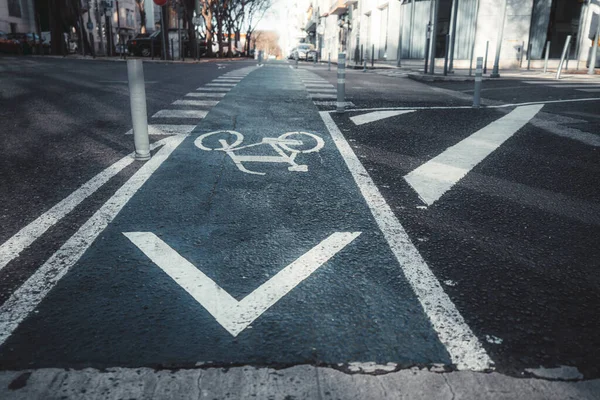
{"x":462,"y":345}
{"x":213,"y":89}
{"x":11,"y":249}
{"x":25,"y":299}
{"x":227,"y":80}
{"x":471,"y":108}
{"x":180,"y":114}
{"x":319,"y":85}
{"x":207,"y":95}
{"x":233,"y":315}
{"x":333,"y":103}
{"x":376,"y":116}
{"x":221,"y":84}
{"x":322,"y":96}
{"x":553,"y":82}
{"x":581,"y":85}
{"x":319,"y":90}
{"x":434,"y":178}
{"x":203,"y":103}
{"x":589,"y":90}
{"x":167,"y":130}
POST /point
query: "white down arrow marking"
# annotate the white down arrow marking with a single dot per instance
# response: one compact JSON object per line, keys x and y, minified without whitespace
{"x":233,"y":315}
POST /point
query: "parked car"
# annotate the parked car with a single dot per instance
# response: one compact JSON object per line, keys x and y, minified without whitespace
{"x":29,"y":43}
{"x":305,"y":52}
{"x":9,"y":45}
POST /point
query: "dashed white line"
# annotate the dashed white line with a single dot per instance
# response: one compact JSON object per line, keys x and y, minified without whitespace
{"x":202,"y":103}
{"x":180,"y":114}
{"x":167,"y":130}
{"x":206,"y":95}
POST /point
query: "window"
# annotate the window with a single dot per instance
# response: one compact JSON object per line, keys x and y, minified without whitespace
{"x":14,"y":8}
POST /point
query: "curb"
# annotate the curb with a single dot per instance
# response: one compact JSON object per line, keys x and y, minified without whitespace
{"x":146,"y":60}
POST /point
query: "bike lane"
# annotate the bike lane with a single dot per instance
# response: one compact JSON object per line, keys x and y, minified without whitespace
{"x":208,"y":264}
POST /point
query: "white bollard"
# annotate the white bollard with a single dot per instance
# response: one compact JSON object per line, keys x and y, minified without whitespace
{"x":139,"y":114}
{"x":341,"y":84}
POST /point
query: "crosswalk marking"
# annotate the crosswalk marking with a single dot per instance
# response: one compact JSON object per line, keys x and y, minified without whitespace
{"x":221,"y":84}
{"x":209,"y":103}
{"x":206,"y":95}
{"x":322,"y":96}
{"x":434,"y":178}
{"x":181,"y":114}
{"x":213,"y":89}
{"x":590,"y":90}
{"x":167,"y":130}
{"x":321,"y":90}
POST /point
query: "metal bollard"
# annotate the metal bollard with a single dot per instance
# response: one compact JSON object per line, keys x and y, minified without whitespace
{"x":546,"y":57}
{"x":594,"y":52}
{"x":329,"y":62}
{"x":528,"y":56}
{"x":341,"y":84}
{"x":487,"y":47}
{"x":568,"y":56}
{"x":315,"y":60}
{"x":478,"y":79}
{"x":139,"y":114}
{"x":296,"y":57}
{"x":562,"y":58}
{"x":365,"y":65}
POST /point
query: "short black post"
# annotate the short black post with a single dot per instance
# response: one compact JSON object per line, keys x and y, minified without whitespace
{"x":487,"y":47}
{"x":528,"y":56}
{"x":373,"y":57}
{"x":172,"y":51}
{"x":446,"y":55}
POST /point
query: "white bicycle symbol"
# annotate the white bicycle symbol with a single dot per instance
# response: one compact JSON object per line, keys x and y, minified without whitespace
{"x":287,"y":146}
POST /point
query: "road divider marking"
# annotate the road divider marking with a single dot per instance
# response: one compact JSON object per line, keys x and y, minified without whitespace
{"x":376,"y":116}
{"x":11,"y":249}
{"x":25,"y":299}
{"x":167,"y":130}
{"x":463,"y":346}
{"x":201,"y":103}
{"x":181,"y":114}
{"x":434,"y":178}
{"x":233,"y":315}
{"x":206,"y":95}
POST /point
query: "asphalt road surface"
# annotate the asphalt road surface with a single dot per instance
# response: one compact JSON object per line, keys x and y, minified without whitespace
{"x":269,"y":231}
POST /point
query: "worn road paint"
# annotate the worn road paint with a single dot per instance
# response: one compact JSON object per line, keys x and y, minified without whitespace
{"x":434,"y":178}
{"x":181,"y":114}
{"x":206,"y":95}
{"x":167,"y":130}
{"x":221,"y":84}
{"x":27,"y":297}
{"x":376,"y":116}
{"x":233,"y":315}
{"x":462,"y":345}
{"x":209,"y":103}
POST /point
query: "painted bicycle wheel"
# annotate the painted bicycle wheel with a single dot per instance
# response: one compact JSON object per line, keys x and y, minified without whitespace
{"x":307,"y":142}
{"x":219,"y":140}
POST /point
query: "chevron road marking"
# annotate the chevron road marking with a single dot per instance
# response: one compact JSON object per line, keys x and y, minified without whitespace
{"x":233,"y":315}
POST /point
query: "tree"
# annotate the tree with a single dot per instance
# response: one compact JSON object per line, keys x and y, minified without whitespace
{"x":141,"y":6}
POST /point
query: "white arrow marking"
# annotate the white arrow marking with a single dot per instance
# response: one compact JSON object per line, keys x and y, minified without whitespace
{"x":434,"y":178}
{"x":376,"y":116}
{"x":233,"y":315}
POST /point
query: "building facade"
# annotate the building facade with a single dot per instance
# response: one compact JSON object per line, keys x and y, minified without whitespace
{"x":17,"y":16}
{"x":387,"y":29}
